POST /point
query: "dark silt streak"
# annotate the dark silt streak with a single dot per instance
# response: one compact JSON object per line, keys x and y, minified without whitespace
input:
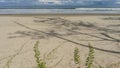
{"x":57,"y":36}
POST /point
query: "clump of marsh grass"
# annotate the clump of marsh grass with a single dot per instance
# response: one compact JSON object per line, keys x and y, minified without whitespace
{"x":90,"y":58}
{"x":77,"y":57}
{"x":40,"y":62}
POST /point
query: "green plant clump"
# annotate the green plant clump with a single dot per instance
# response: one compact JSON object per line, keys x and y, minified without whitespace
{"x":40,"y":62}
{"x":77,"y":57}
{"x":90,"y":58}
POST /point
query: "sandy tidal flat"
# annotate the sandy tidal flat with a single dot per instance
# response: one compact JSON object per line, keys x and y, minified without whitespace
{"x":19,"y":33}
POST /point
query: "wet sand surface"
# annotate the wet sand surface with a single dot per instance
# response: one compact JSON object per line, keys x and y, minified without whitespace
{"x":19,"y":33}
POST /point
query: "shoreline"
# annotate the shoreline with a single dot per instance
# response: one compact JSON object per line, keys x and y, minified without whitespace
{"x":59,"y":14}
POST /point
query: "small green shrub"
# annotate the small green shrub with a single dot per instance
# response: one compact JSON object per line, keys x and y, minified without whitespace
{"x":77,"y":57}
{"x":40,"y":62}
{"x":90,"y":58}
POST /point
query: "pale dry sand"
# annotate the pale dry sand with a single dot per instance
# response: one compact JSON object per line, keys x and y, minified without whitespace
{"x":101,"y":31}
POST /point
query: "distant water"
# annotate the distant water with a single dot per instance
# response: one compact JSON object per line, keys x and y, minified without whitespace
{"x":62,"y":11}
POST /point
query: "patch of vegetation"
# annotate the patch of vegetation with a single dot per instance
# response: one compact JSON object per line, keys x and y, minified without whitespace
{"x":40,"y":62}
{"x":90,"y":58}
{"x":77,"y":57}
